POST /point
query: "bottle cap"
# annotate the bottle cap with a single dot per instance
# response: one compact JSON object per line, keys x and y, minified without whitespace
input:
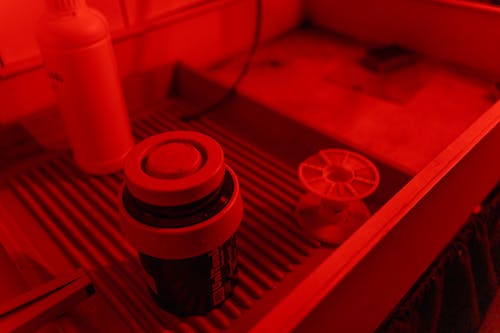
{"x":339,"y":175}
{"x":64,"y":5}
{"x":174,"y":168}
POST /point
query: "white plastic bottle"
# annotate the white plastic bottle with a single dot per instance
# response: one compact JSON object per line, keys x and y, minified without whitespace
{"x":78,"y":54}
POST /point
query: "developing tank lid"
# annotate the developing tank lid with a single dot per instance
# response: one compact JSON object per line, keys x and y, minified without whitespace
{"x":64,"y":5}
{"x":174,"y":168}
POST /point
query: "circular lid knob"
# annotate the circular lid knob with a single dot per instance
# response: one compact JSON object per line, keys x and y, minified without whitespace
{"x":339,"y":175}
{"x":173,"y":160}
{"x":174,"y":168}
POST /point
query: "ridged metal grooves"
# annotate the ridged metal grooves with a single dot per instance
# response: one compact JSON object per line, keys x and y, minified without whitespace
{"x":80,"y":214}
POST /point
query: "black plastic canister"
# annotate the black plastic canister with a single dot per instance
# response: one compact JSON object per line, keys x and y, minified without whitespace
{"x":180,"y":208}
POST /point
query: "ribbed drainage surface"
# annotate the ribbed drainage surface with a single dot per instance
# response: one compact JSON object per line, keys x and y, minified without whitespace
{"x":80,"y":213}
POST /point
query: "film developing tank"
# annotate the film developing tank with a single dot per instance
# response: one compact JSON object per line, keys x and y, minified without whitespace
{"x":180,"y":208}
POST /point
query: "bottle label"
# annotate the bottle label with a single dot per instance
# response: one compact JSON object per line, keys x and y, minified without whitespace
{"x":193,"y":285}
{"x":56,"y":80}
{"x":217,"y":259}
{"x":223,"y":270}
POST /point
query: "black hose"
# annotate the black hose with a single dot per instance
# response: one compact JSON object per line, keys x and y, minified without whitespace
{"x":232,"y":90}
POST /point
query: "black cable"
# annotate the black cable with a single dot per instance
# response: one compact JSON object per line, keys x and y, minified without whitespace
{"x":232,"y":90}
